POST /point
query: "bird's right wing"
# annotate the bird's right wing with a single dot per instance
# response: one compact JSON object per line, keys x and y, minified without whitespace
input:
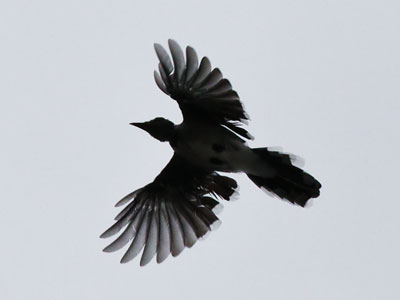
{"x":201,"y":92}
{"x":170,"y":213}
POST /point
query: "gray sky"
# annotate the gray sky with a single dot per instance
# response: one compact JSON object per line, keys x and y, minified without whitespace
{"x":319,"y":78}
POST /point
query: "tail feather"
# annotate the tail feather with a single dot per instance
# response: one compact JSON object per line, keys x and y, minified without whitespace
{"x":289,"y":182}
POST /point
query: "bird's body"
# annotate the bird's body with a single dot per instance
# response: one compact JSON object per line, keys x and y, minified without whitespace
{"x":178,"y":207}
{"x":210,"y":146}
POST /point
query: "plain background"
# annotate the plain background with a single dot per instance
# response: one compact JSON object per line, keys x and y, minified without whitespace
{"x":319,"y":78}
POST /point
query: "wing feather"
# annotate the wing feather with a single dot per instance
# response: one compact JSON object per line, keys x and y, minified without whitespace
{"x":122,"y":240}
{"x":222,"y":87}
{"x":122,"y":222}
{"x":189,"y":234}
{"x":150,"y":248}
{"x":164,"y":244}
{"x":141,"y":234}
{"x":178,"y":58}
{"x":177,"y":244}
{"x":160,"y":82}
{"x":202,"y":93}
{"x":212,"y":79}
{"x":164,"y":59}
{"x":200,"y":227}
{"x":164,"y":76}
{"x":127,"y":198}
{"x":169,"y":214}
{"x":125,"y":211}
{"x":192,"y":63}
{"x":202,"y":73}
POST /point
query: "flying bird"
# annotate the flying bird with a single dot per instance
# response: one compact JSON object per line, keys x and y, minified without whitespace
{"x":179,"y":206}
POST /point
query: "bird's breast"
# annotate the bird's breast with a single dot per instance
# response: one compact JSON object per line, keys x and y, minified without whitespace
{"x":209,"y":147}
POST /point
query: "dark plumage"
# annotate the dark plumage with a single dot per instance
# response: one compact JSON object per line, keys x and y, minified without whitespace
{"x":178,"y":207}
{"x":216,"y":161}
{"x":218,"y":148}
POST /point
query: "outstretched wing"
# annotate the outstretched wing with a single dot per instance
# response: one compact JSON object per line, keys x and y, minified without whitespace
{"x":169,"y":214}
{"x":201,"y":92}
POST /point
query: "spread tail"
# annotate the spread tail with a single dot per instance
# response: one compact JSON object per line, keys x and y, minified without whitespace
{"x":289,"y":182}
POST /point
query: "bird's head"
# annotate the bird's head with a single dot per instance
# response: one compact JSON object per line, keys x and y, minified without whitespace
{"x":159,"y":128}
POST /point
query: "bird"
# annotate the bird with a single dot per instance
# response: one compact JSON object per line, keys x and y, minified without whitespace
{"x":180,"y":206}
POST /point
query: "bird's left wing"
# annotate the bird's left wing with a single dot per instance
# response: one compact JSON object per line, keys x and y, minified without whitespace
{"x":169,"y":214}
{"x":201,"y":92}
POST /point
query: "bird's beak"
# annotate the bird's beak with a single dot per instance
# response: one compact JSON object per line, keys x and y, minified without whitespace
{"x":140,"y":125}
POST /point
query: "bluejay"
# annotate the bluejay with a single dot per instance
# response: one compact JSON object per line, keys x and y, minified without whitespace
{"x":179,"y":206}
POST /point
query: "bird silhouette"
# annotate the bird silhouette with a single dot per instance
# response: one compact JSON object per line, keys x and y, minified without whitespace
{"x":179,"y":206}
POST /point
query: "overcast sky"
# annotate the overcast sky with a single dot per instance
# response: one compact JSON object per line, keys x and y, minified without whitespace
{"x":319,"y":78}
